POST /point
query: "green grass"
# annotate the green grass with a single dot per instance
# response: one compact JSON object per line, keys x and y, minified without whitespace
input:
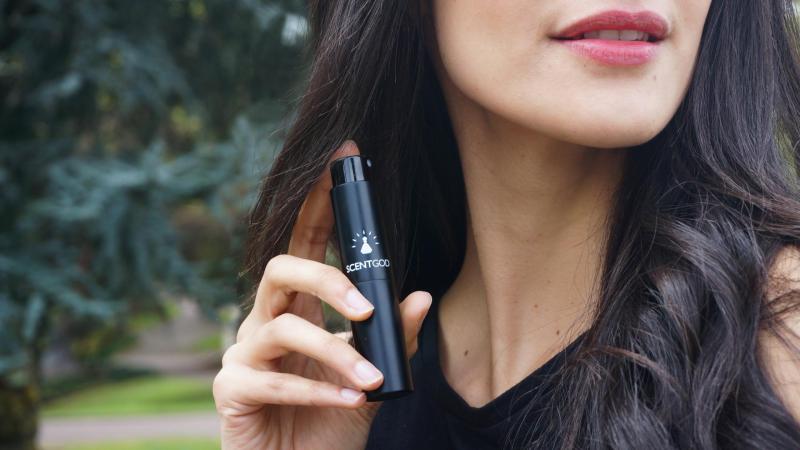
{"x":144,"y":395}
{"x":161,"y":444}
{"x":64,"y":386}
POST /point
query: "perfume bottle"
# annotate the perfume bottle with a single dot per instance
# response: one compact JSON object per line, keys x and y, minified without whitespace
{"x":379,"y":338}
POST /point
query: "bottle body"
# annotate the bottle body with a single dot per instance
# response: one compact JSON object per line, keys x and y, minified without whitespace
{"x":380,"y":338}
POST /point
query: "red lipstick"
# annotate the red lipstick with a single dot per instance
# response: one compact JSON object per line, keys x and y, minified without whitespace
{"x":616,"y":38}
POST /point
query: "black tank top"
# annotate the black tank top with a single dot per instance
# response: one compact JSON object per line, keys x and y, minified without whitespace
{"x":436,"y":417}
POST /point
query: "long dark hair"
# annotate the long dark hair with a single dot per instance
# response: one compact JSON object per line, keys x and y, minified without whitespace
{"x":671,"y":360}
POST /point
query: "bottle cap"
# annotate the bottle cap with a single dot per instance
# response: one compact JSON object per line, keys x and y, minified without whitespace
{"x":349,"y":169}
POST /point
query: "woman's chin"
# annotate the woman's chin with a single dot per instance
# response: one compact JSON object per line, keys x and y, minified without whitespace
{"x":611,"y":138}
{"x":600,"y":133}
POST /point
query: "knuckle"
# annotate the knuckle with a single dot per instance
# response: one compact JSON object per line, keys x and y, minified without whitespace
{"x":285,"y":320}
{"x":331,"y":344}
{"x":245,"y":328}
{"x":220,"y":385}
{"x":266,"y":332}
{"x":226,"y":412}
{"x":330,"y":275}
{"x":273,"y":329}
{"x":274,"y":264}
{"x":315,"y":394}
{"x":240,"y":334}
{"x":276,"y":382}
{"x":230,"y":353}
{"x":334,"y":282}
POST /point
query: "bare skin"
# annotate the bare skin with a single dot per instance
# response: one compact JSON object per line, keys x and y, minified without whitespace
{"x":533,"y":253}
{"x":287,"y":375}
{"x":542,"y":135}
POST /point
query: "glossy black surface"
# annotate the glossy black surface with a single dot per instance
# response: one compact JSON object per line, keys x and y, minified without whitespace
{"x":379,"y":338}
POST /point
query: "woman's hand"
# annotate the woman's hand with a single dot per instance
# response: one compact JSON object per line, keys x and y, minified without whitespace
{"x":288,"y":383}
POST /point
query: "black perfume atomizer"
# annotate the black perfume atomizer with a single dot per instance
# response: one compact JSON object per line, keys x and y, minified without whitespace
{"x":380,"y":337}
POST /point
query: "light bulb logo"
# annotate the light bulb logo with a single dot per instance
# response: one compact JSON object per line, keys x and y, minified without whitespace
{"x":362,"y":240}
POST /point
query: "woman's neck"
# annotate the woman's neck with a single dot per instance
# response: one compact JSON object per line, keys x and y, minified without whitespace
{"x":537,"y":211}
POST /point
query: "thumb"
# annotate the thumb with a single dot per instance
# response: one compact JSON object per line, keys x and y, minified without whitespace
{"x":413,"y":311}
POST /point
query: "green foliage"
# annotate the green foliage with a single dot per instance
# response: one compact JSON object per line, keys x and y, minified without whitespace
{"x":145,"y":395}
{"x":93,"y":344}
{"x":124,"y":128}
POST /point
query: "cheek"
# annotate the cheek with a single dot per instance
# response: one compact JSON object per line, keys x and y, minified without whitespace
{"x":484,"y":45}
{"x":498,"y":57}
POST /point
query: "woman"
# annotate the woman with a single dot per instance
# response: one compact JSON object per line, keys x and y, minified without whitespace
{"x":598,"y":201}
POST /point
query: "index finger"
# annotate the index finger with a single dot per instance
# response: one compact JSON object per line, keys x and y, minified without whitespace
{"x":314,"y":223}
{"x":309,"y":240}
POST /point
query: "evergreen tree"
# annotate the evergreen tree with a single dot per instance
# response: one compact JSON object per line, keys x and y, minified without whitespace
{"x":113,"y":116}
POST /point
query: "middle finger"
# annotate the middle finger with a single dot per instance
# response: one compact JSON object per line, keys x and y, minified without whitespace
{"x":286,"y":275}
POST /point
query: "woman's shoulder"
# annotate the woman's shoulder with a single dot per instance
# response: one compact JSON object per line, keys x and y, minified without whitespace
{"x":781,"y":352}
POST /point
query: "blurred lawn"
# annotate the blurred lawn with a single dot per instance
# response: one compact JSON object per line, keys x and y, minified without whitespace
{"x":143,"y":395}
{"x":165,"y":444}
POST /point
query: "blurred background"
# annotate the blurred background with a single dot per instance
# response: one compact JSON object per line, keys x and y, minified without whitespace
{"x":133,"y":135}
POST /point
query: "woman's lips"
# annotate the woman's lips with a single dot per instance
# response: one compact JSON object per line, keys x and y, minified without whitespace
{"x":617,"y":38}
{"x":615,"y":53}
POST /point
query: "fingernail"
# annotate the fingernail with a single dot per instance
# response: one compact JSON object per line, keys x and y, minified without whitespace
{"x":349,"y":394}
{"x":356,"y":301}
{"x":367,"y":372}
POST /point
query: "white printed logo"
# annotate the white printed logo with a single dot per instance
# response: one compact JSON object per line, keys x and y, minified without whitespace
{"x":364,"y":237}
